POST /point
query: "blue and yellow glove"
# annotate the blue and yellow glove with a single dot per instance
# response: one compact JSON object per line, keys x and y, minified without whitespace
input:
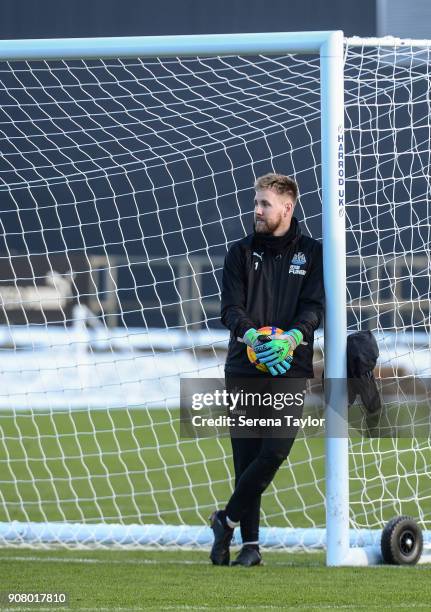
{"x":260,"y":343}
{"x":282,"y":346}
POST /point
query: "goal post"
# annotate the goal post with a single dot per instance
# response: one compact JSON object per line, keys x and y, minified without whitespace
{"x":116,"y":142}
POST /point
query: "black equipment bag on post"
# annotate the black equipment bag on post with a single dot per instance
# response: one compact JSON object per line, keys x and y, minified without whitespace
{"x":362,"y":355}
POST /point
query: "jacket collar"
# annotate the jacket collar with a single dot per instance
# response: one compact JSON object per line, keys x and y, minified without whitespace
{"x":278,"y":244}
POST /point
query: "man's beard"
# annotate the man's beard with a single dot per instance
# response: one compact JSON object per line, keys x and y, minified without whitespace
{"x":267,"y":227}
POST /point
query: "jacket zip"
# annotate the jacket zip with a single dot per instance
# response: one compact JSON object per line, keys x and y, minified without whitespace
{"x":278,"y":260}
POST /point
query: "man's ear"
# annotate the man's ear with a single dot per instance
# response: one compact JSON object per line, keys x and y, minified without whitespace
{"x":287,"y":208}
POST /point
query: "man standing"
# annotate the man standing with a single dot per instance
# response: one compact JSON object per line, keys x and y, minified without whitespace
{"x":272,"y":277}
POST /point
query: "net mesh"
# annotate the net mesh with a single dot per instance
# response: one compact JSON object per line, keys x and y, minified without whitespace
{"x":123,"y":183}
{"x":388,"y":269}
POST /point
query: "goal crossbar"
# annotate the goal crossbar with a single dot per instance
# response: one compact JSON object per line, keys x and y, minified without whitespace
{"x":167,"y":46}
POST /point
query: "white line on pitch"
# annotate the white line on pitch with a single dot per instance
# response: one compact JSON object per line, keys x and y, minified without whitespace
{"x":103,"y":561}
{"x":135,"y":561}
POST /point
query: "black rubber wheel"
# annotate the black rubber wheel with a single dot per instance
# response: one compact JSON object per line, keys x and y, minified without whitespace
{"x":402,"y":541}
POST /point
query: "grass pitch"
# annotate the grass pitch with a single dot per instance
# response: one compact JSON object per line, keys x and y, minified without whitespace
{"x":130,"y":466}
{"x":147,"y":580}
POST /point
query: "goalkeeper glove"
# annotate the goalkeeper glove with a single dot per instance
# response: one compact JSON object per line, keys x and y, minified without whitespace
{"x":260,"y":343}
{"x":294,"y":337}
{"x":279,"y":367}
{"x":283,"y":345}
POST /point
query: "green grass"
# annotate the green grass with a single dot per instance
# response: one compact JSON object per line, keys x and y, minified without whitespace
{"x":147,"y":580}
{"x":131,"y":466}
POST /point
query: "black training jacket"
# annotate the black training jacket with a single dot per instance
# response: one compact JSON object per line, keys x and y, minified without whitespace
{"x":273,"y":281}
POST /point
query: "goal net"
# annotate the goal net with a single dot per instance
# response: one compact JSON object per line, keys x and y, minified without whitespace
{"x":123,"y":183}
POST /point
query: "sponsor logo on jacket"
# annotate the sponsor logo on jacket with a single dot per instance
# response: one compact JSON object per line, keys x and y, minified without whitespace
{"x":298,"y":260}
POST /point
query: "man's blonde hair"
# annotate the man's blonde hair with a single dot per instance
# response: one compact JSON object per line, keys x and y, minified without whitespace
{"x":281,"y":183}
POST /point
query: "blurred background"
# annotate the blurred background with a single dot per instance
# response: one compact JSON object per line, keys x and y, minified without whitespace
{"x":60,"y":18}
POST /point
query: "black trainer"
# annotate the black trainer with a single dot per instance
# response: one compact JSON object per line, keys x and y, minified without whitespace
{"x":248,"y":556}
{"x":220,"y":554}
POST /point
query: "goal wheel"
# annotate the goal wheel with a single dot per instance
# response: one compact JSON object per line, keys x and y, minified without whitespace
{"x":402,"y":541}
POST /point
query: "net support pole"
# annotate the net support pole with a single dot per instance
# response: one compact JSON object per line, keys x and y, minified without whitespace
{"x":334,"y":263}
{"x":334,"y":255}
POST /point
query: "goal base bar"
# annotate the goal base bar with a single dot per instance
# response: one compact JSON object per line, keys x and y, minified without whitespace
{"x":365,"y":543}
{"x":372,"y":555}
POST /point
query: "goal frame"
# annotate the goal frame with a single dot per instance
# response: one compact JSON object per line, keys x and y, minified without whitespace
{"x":330,"y":47}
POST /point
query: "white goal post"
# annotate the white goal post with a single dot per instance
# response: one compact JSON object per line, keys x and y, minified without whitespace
{"x":345,"y":546}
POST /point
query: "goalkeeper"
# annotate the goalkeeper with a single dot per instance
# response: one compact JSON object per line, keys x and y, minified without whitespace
{"x":272,"y":277}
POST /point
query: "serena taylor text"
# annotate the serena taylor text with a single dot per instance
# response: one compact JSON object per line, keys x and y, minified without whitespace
{"x":286,"y":420}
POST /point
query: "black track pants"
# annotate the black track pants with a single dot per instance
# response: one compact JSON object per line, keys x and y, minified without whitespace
{"x":256,"y":462}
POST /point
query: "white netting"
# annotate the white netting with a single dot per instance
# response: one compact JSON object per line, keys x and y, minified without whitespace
{"x":388,"y":265}
{"x":122,"y":184}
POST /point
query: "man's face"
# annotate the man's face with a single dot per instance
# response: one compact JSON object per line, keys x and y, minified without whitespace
{"x":272,"y":211}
